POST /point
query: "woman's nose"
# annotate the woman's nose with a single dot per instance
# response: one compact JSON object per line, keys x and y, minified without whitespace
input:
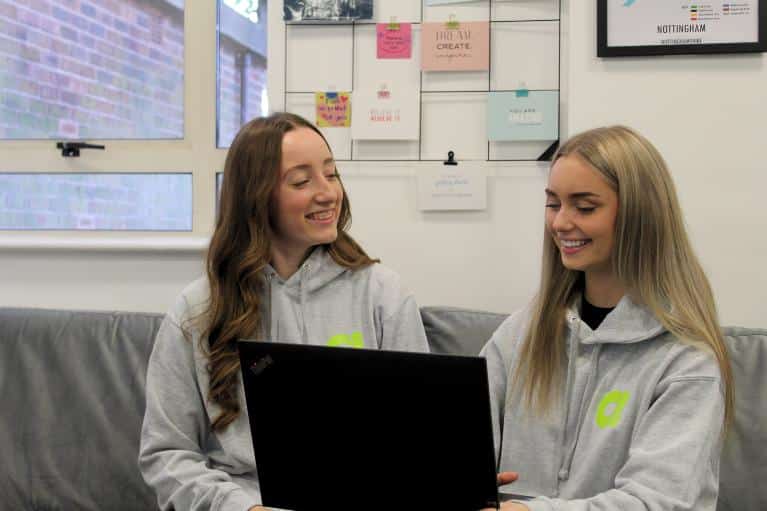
{"x":325,"y":192}
{"x":562,"y":220}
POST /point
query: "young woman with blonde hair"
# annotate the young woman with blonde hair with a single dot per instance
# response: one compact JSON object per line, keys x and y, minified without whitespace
{"x":613,"y":389}
{"x":280,"y":267}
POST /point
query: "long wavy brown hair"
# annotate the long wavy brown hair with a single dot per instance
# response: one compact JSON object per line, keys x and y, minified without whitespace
{"x":653,"y":258}
{"x":240,"y":248}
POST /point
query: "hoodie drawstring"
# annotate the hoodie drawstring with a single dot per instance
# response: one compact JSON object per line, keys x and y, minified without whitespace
{"x":302,"y":292}
{"x":267,"y":308}
{"x":579,"y":408}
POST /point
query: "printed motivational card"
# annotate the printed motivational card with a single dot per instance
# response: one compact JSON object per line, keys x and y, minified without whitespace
{"x":394,"y":43}
{"x":333,"y":109}
{"x":450,"y":188}
{"x":386,"y":115}
{"x":533,"y":115}
{"x":443,"y":2}
{"x":464,"y":48}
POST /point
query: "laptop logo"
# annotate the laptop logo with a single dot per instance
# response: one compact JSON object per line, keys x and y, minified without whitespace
{"x":260,"y":365}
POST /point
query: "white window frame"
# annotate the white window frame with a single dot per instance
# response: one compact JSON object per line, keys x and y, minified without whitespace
{"x":196,"y":153}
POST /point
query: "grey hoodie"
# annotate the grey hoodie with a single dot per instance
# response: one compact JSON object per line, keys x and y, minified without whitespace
{"x":638,"y":426}
{"x":193,"y":468}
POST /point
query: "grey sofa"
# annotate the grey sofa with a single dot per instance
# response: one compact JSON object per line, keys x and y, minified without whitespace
{"x":72,"y":387}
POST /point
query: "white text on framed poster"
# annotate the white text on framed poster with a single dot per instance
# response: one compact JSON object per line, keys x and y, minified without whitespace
{"x":461,"y":187}
{"x":454,"y":46}
{"x":386,"y":114}
{"x":655,"y":27}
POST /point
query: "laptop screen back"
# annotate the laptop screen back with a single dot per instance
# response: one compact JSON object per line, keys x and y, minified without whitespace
{"x":340,"y":428}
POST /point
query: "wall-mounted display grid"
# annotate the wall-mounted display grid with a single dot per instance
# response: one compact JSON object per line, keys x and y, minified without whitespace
{"x":525,"y":38}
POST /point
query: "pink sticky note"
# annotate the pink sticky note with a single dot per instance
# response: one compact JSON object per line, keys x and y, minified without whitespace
{"x":394,"y":44}
{"x":465,"y":48}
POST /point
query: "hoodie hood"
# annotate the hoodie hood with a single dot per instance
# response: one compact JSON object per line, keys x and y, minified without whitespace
{"x":316,"y":271}
{"x":627,"y":323}
{"x":286,"y":299}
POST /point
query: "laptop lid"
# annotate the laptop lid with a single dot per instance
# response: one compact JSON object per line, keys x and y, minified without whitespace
{"x":341,"y":428}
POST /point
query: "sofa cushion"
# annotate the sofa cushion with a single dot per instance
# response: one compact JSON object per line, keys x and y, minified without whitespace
{"x":73,"y":395}
{"x":457,"y":331}
{"x":73,"y":401}
{"x":743,"y":468}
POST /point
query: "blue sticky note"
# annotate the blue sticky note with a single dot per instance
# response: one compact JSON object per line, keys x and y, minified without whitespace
{"x":512,"y":117}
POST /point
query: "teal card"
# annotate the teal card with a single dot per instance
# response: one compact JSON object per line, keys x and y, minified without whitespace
{"x":523,"y":115}
{"x":441,"y":2}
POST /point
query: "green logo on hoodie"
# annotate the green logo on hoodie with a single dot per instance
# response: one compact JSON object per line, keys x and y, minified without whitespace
{"x":355,"y":340}
{"x":610,"y":409}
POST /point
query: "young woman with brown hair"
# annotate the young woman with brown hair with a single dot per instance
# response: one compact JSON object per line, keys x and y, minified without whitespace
{"x":280,"y":267}
{"x":613,"y":389}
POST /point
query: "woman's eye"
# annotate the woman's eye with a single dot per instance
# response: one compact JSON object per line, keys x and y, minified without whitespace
{"x":552,"y":206}
{"x":332,"y":175}
{"x":586,"y":209}
{"x":299,"y":184}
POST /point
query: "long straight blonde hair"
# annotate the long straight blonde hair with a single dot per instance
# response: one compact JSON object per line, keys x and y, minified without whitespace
{"x":652,"y":258}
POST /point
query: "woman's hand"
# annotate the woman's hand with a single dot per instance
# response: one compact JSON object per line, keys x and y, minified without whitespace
{"x":510,"y":506}
{"x":506,"y":477}
{"x":514,"y":506}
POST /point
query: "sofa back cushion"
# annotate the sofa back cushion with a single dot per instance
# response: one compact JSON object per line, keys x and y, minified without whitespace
{"x":743,"y":469}
{"x":73,"y":401}
{"x":457,"y":331}
{"x":73,"y":398}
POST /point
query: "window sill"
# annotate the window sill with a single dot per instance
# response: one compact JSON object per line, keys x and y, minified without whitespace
{"x":99,"y":242}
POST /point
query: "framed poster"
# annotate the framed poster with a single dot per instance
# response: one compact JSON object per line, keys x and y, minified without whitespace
{"x":308,"y":11}
{"x":676,"y":27}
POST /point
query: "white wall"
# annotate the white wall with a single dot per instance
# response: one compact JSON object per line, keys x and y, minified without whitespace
{"x":705,"y":114}
{"x":95,"y":280}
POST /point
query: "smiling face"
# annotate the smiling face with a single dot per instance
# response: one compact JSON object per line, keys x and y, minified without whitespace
{"x":581,"y":209}
{"x":308,"y":196}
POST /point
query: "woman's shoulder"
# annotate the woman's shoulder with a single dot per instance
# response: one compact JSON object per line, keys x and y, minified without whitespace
{"x":375,"y":275}
{"x":688,"y":359}
{"x":192,"y":302}
{"x":516,"y":324}
{"x":511,"y":332}
{"x":382,"y":274}
{"x":380,"y":284}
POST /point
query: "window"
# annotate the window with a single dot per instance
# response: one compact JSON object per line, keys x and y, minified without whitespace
{"x":120,"y":202}
{"x":242,"y":56}
{"x":135,"y":76}
{"x":92,"y":69}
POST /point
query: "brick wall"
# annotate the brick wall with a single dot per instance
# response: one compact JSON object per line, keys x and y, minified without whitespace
{"x":230,"y":94}
{"x":91,"y":69}
{"x":104,"y":69}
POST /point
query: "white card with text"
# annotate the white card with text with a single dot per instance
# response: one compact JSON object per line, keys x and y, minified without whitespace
{"x":452,"y":187}
{"x":386,"y":114}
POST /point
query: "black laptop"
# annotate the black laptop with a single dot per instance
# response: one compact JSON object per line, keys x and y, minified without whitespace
{"x":343,"y":428}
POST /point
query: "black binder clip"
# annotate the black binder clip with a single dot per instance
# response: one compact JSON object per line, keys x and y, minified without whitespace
{"x":450,"y":159}
{"x":548,"y":154}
